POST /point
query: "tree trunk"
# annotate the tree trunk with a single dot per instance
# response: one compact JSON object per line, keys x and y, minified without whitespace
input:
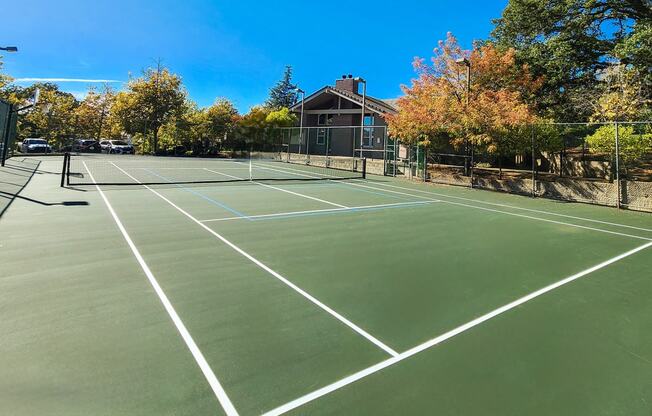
{"x":155,"y":141}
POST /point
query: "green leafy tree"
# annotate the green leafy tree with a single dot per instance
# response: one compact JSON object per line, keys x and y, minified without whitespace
{"x":148,"y":103}
{"x":214,"y":127}
{"x":569,"y":43}
{"x":93,"y":112}
{"x":5,"y":80}
{"x":283,"y":94}
{"x":281,"y":118}
{"x":632,"y":144}
{"x":54,"y":118}
{"x":621,"y":95}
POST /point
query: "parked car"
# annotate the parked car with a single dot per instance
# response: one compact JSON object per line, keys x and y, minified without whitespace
{"x":86,"y":146}
{"x":118,"y":147}
{"x":35,"y":146}
{"x":104,"y":145}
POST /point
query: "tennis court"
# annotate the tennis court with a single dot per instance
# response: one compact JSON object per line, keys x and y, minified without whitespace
{"x":273,"y":293}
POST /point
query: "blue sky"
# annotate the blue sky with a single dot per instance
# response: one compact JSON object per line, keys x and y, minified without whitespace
{"x":235,"y":49}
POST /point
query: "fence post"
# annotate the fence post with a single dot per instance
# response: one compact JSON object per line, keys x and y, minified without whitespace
{"x":534,"y":189}
{"x":472,"y":161}
{"x":425,"y":164}
{"x":385,"y":151}
{"x":5,"y":139}
{"x":617,"y":166}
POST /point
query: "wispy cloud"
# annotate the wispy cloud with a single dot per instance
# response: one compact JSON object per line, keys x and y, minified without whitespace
{"x":66,"y":80}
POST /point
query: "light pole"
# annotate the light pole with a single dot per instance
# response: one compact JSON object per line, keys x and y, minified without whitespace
{"x":364,"y":108}
{"x":303,"y":98}
{"x":467,"y":64}
{"x":4,"y":140}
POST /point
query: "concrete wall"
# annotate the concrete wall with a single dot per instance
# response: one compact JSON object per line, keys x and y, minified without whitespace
{"x":635,"y":195}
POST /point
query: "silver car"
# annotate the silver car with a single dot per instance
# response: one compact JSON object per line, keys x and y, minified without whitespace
{"x":35,"y":146}
{"x":117,"y":147}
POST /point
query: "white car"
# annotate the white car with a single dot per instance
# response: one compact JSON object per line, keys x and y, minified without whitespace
{"x":117,"y":147}
{"x":35,"y":146}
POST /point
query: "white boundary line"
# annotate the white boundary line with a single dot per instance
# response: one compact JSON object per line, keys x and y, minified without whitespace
{"x":260,"y":264}
{"x":323,"y":201}
{"x":281,"y":214}
{"x":502,"y":205}
{"x":515,"y":207}
{"x":450,"y":334}
{"x":221,"y":395}
{"x":507,"y":213}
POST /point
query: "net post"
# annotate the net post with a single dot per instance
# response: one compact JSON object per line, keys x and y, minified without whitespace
{"x":68,"y":170}
{"x":251,"y":176}
{"x":533,"y":161}
{"x":64,"y":169}
{"x":617,"y":165}
{"x":364,"y":168}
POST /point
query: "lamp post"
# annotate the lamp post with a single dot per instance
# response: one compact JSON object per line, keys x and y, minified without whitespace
{"x":303,"y":98}
{"x":362,"y":114}
{"x":467,"y":64}
{"x":4,"y":140}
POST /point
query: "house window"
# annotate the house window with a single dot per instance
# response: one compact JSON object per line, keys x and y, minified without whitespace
{"x":321,"y":136}
{"x":368,"y":134}
{"x":324,"y":119}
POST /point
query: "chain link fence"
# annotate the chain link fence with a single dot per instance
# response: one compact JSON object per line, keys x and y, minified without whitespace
{"x":598,"y":163}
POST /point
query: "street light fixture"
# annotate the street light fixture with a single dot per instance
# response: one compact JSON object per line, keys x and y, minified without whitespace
{"x":9,"y":49}
{"x":364,"y":107}
{"x":467,"y":64}
{"x":303,"y":98}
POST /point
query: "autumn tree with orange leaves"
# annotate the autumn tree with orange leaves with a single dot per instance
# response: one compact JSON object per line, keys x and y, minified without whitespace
{"x":434,"y":108}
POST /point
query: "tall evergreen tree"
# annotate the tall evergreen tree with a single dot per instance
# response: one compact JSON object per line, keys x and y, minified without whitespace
{"x":283,"y":94}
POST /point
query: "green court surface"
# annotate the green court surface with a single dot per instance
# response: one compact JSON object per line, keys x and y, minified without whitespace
{"x":364,"y":296}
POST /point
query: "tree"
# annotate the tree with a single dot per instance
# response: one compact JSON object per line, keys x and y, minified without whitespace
{"x":281,"y":118}
{"x":214,"y":126}
{"x":569,"y":43}
{"x":149,"y":102}
{"x":435,"y":106}
{"x":632,"y":145}
{"x":283,"y":94}
{"x":93,"y":112}
{"x":53,"y":118}
{"x":621,"y":95}
{"x":5,"y":80}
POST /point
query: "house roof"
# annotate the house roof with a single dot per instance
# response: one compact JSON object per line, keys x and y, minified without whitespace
{"x":374,"y":104}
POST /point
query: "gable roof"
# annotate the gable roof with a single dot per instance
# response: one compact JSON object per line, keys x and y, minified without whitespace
{"x":373,"y":104}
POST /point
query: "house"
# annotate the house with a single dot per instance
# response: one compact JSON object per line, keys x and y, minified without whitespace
{"x":331,"y":120}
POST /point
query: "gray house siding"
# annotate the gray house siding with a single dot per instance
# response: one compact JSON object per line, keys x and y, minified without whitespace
{"x":342,"y":131}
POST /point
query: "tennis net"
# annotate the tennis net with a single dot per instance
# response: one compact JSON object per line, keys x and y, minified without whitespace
{"x":100,"y":169}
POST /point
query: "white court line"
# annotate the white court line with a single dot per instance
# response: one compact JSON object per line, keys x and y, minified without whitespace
{"x":181,"y":168}
{"x":221,"y":395}
{"x":519,"y":208}
{"x":508,"y":213}
{"x":441,"y":338}
{"x":260,"y":264}
{"x":283,"y":190}
{"x":499,"y":211}
{"x":491,"y":209}
{"x":281,"y":214}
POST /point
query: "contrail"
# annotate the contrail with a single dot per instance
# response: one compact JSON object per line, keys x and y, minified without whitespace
{"x":65,"y":80}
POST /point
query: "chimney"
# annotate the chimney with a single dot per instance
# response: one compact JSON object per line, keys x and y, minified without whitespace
{"x":347,"y":83}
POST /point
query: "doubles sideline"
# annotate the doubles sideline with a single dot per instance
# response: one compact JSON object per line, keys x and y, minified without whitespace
{"x":260,"y":264}
{"x":357,"y":184}
{"x":217,"y":388}
{"x":446,"y":336}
